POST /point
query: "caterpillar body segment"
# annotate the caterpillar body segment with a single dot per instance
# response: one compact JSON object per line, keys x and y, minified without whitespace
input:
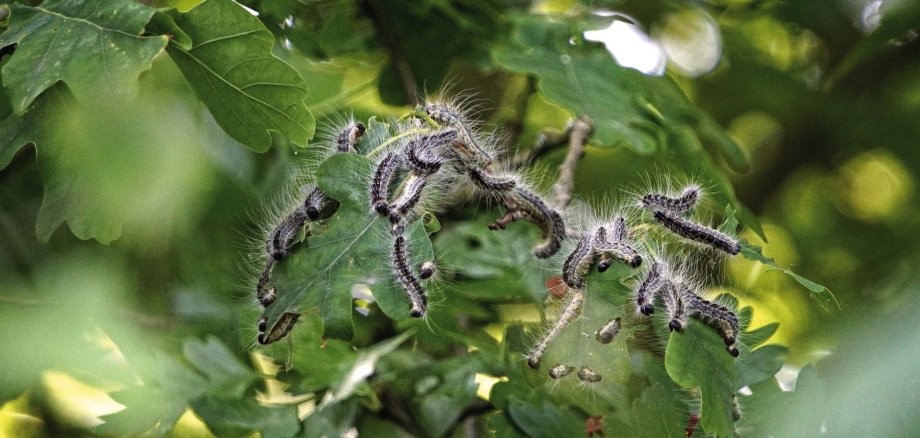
{"x":608,"y":331}
{"x":578,"y":263}
{"x":559,"y":371}
{"x":265,"y":296}
{"x":681,"y":204}
{"x":410,"y":283}
{"x":485,"y":181}
{"x":568,"y":316}
{"x":522,"y":204}
{"x":412,"y":192}
{"x":618,"y":251}
{"x":649,"y":287}
{"x":465,"y":145}
{"x":724,"y":320}
{"x":282,"y":237}
{"x":698,"y":233}
{"x":424,"y":154}
{"x":279,"y":330}
{"x":350,"y":136}
{"x":380,"y":183}
{"x":427,"y":270}
{"x":676,"y":306}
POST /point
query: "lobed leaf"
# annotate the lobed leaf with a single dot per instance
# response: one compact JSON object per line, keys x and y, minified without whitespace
{"x":94,"y":47}
{"x":352,"y":247}
{"x":229,"y":65}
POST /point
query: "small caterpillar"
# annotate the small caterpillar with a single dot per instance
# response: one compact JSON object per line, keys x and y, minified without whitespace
{"x":568,"y":316}
{"x":578,"y":263}
{"x":649,"y":287}
{"x":523,"y":204}
{"x":690,"y":230}
{"x":410,"y":196}
{"x":427,"y":270}
{"x":465,"y":144}
{"x":616,"y":249}
{"x":559,"y":371}
{"x":725,"y":320}
{"x":318,"y":206}
{"x":674,"y":205}
{"x":677,"y":310}
{"x":350,"y":136}
{"x":608,"y":332}
{"x":381,"y":182}
{"x":407,"y":279}
{"x":279,"y":330}
{"x":588,"y":375}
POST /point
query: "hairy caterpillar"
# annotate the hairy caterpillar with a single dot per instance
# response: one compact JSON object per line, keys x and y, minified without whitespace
{"x":410,"y":196}
{"x":349,"y":137}
{"x":675,"y":205}
{"x":617,"y":249}
{"x":522,"y":204}
{"x":559,"y":371}
{"x":279,"y":330}
{"x":318,"y":206}
{"x":427,"y":270}
{"x":465,"y":145}
{"x":422,"y":155}
{"x":588,"y":375}
{"x":578,"y":263}
{"x":381,"y":182}
{"x":676,"y":307}
{"x":408,"y":280}
{"x":608,"y":332}
{"x":724,"y":320}
{"x":649,"y":287}
{"x":568,"y":316}
{"x":490,"y":183}
{"x":690,"y":230}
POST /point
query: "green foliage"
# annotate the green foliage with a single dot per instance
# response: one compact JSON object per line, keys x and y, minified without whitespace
{"x":154,"y":316}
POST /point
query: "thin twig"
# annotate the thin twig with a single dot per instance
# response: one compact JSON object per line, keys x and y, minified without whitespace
{"x":580,"y":131}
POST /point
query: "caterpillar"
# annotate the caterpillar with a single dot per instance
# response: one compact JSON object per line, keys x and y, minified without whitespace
{"x":674,"y":205}
{"x":692,"y":231}
{"x":568,"y":317}
{"x":412,"y":192}
{"x":487,"y":182}
{"x":279,"y":330}
{"x":725,"y":321}
{"x":381,"y":182}
{"x":588,"y":375}
{"x":578,"y":263}
{"x":422,"y":155}
{"x":649,"y":287}
{"x":676,"y":307}
{"x":559,"y":371}
{"x":408,"y":280}
{"x":465,"y":145}
{"x":522,"y":204}
{"x":608,"y":332}
{"x":318,"y":206}
{"x":427,"y":270}
{"x":349,"y":137}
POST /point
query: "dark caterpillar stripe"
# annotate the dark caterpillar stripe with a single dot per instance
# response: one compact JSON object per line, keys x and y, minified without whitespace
{"x":318,"y":206}
{"x":410,"y":196}
{"x":676,"y":307}
{"x":423,"y":155}
{"x":724,"y":320}
{"x":407,"y":279}
{"x":490,"y":183}
{"x":381,"y":182}
{"x":279,"y":330}
{"x":578,"y":263}
{"x":690,"y":230}
{"x":649,"y":287}
{"x":679,"y":205}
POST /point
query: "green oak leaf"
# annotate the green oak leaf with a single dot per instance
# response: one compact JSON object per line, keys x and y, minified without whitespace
{"x":697,"y":358}
{"x":352,"y":247}
{"x":229,"y":64}
{"x":92,"y":46}
{"x":755,"y":253}
{"x":539,"y":417}
{"x":241,"y":417}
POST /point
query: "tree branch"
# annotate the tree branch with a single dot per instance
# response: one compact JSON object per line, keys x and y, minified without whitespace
{"x":578,"y":135}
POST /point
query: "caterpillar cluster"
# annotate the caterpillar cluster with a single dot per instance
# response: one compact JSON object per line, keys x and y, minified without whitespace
{"x":315,"y":206}
{"x":657,"y":281}
{"x":418,"y":163}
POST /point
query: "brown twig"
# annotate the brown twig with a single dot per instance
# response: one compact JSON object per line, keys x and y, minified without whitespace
{"x":580,"y":130}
